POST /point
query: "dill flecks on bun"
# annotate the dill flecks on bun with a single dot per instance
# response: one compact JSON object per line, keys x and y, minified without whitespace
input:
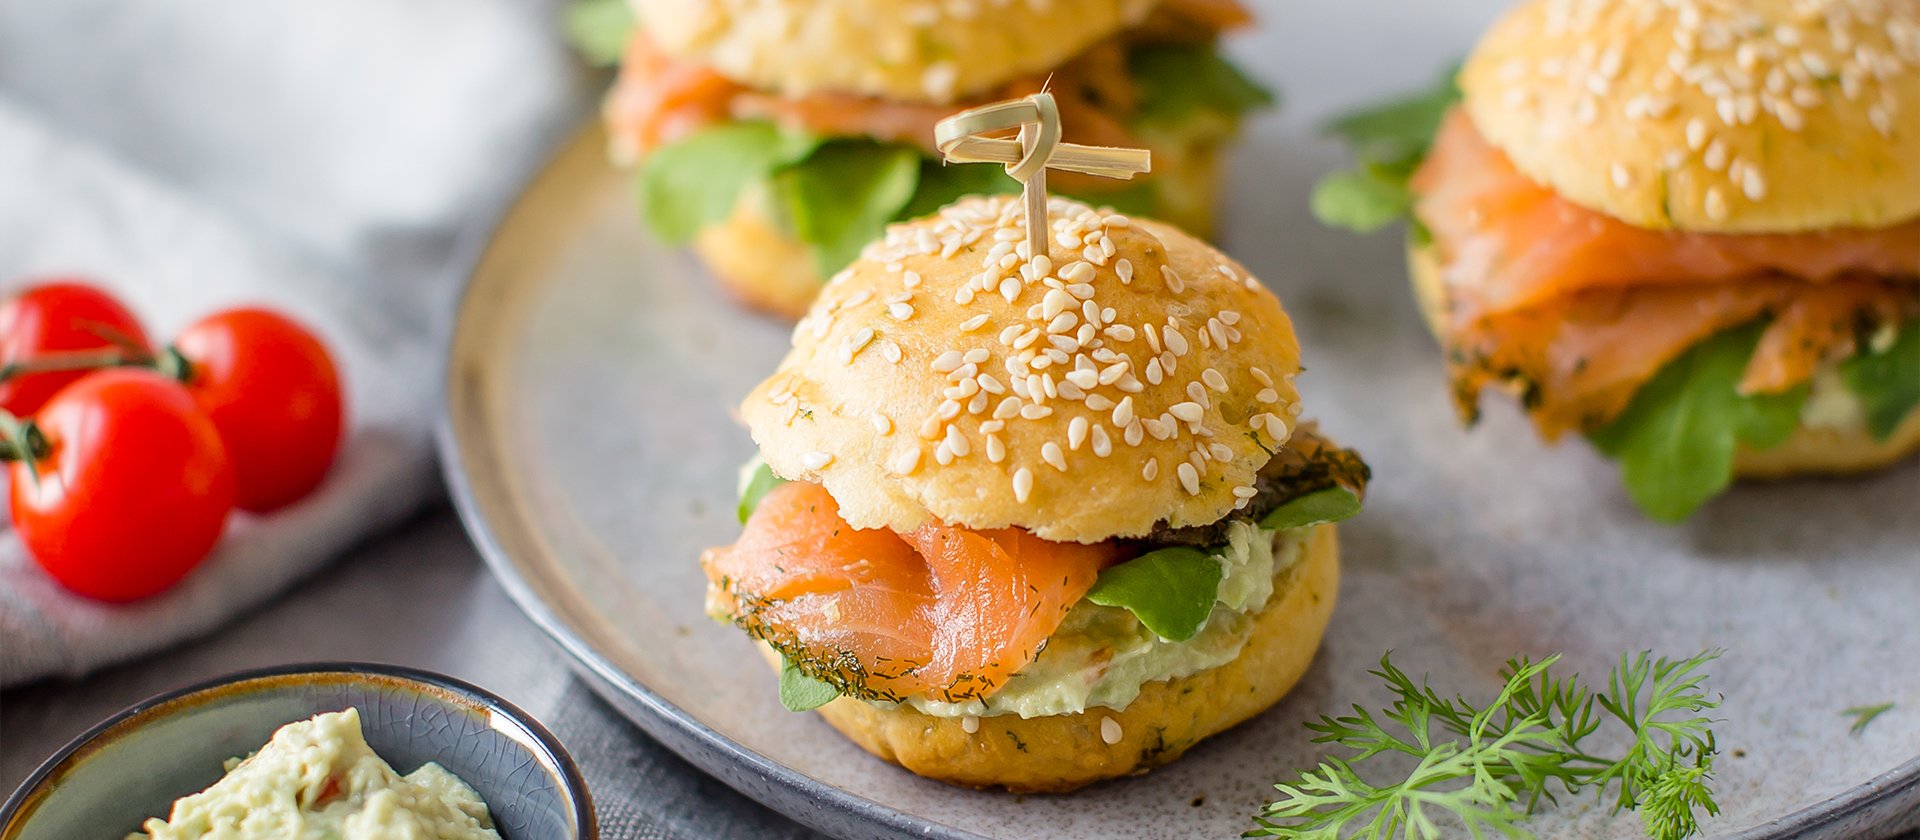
{"x":1037,"y":522}
{"x":779,"y":136}
{"x":1687,"y":230}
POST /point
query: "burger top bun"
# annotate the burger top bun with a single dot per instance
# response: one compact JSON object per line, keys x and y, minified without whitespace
{"x":1137,"y":376}
{"x":906,"y":50}
{"x":1722,"y":116}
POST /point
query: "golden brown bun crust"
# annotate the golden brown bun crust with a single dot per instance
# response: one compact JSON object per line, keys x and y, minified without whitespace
{"x":910,"y":396}
{"x":1830,"y":452}
{"x":758,"y":263}
{"x":1809,"y":451}
{"x":907,"y":50}
{"x":769,"y":270}
{"x":1755,"y":116}
{"x":1064,"y":752}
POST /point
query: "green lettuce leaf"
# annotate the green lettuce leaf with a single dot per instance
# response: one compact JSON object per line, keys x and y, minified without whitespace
{"x":1179,"y":81}
{"x":844,"y":194}
{"x":599,"y":30}
{"x":1676,"y":440}
{"x":941,"y":185}
{"x":1171,"y":590}
{"x":1888,"y":381}
{"x":756,"y":487}
{"x":1320,"y":507}
{"x":801,"y":693}
{"x":694,"y":182}
{"x":1388,"y":143}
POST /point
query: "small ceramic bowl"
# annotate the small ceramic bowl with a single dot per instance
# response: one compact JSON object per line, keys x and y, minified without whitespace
{"x":135,"y":764}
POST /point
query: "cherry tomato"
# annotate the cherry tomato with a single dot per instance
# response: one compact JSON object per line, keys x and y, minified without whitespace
{"x":52,"y":318}
{"x":272,"y":390}
{"x":133,"y":487}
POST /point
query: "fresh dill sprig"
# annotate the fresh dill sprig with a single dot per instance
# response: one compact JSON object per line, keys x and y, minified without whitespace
{"x":1484,"y":769}
{"x":1863,"y":715}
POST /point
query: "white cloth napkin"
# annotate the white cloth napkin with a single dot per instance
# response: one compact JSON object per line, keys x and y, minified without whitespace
{"x":325,"y":157}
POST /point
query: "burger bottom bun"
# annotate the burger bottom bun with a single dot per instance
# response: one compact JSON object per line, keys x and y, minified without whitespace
{"x":1813,"y":451}
{"x":1060,"y":753}
{"x":1810,"y":451}
{"x":763,"y":266}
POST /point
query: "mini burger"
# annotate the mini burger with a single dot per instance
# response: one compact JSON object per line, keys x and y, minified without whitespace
{"x":1688,"y":229}
{"x":781,"y":136}
{"x":1035,"y":522}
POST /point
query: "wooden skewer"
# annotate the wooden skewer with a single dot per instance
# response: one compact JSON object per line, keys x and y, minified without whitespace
{"x":962,"y":138}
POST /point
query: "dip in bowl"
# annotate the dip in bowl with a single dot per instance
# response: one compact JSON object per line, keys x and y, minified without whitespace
{"x":137,"y":763}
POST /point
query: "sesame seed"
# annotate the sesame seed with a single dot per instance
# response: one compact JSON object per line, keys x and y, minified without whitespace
{"x":1151,"y":470}
{"x":996,"y":449}
{"x":1267,"y":395}
{"x":1214,"y":380}
{"x":1077,"y":433}
{"x":907,"y":461}
{"x":1189,"y":479}
{"x":1050,"y":453}
{"x":1220,"y":452}
{"x":1133,"y":433}
{"x":1035,"y":412}
{"x":1716,"y":203}
{"x":1109,"y":730}
{"x":1101,"y":444}
{"x":1188,"y":411}
{"x":1124,"y":268}
{"x":957,"y":442}
{"x":978,"y":355}
{"x":943,"y":454}
{"x":1022,"y":484}
{"x":1198,"y":393}
{"x":1079,"y":272}
{"x":1245,"y":492}
{"x":1622,"y":178}
{"x":1174,"y":283}
{"x":891,"y":351}
{"x":1176,"y":342}
{"x":881,"y":424}
{"x":948,"y":362}
{"x":900,"y":311}
{"x":974,"y":323}
{"x":816,"y":460}
{"x":1084,"y":378}
{"x":1261,"y":376}
{"x":970,"y":724}
{"x":1010,"y":289}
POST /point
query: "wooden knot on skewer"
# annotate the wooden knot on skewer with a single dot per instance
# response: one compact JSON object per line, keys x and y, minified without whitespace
{"x":964,"y":138}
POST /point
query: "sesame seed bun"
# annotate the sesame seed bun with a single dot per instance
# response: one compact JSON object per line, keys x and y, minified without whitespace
{"x":767,"y":268}
{"x":1059,"y":753}
{"x":1809,"y":451}
{"x":1759,"y":116}
{"x":906,"y":50}
{"x":899,"y":394}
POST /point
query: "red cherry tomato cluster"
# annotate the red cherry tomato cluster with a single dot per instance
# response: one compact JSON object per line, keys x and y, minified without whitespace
{"x":125,"y":461}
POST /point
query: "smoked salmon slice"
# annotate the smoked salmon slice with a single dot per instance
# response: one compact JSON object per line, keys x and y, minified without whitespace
{"x":1578,"y":309}
{"x":943,"y":612}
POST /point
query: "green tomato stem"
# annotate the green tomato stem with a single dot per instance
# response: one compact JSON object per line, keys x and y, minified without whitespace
{"x":71,"y":361}
{"x":21,"y":440}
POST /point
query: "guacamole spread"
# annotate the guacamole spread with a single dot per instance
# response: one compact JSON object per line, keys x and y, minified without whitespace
{"x":318,"y":780}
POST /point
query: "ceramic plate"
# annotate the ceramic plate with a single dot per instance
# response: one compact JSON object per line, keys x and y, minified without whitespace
{"x":591,"y":443}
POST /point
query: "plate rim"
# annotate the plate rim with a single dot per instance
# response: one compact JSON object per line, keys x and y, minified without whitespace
{"x":1889,"y":801}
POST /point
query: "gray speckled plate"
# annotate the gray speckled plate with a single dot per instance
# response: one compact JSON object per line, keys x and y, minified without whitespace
{"x":591,"y":443}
